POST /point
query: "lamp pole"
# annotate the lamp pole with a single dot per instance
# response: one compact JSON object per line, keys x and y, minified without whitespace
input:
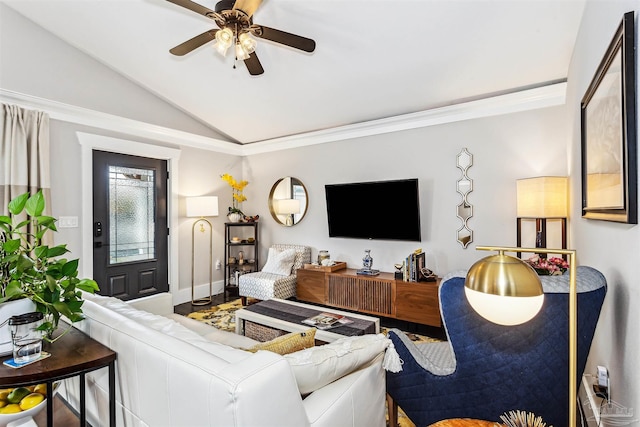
{"x":573,"y":326}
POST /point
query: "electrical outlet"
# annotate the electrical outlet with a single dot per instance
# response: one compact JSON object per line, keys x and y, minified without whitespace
{"x":603,"y":386}
{"x":218,"y":264}
{"x":603,"y":376}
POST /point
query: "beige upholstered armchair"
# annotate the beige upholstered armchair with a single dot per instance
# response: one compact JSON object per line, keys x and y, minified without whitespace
{"x":277,"y":279}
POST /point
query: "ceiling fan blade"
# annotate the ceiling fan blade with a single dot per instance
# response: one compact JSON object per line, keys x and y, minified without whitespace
{"x":253,"y":65}
{"x":194,"y":43}
{"x":197,"y":8}
{"x":247,"y":6}
{"x":285,"y":38}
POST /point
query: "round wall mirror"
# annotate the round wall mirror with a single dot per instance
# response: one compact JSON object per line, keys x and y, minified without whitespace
{"x":288,"y":201}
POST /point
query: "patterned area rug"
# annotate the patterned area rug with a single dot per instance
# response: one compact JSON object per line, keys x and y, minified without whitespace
{"x":222,"y":317}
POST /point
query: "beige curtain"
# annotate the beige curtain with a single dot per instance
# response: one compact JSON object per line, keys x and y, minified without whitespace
{"x":24,"y":154}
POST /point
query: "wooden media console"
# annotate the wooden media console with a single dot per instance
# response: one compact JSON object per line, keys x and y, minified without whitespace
{"x":380,"y":295}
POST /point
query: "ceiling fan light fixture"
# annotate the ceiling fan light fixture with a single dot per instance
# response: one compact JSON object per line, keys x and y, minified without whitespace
{"x":241,"y":54}
{"x":248,"y":43}
{"x":224,"y":40}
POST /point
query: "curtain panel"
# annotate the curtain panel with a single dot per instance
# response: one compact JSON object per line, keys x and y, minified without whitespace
{"x":24,"y":155}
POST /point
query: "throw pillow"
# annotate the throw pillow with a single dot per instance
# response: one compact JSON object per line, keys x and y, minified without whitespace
{"x":288,"y":343}
{"x":316,"y":367}
{"x":279,"y":262}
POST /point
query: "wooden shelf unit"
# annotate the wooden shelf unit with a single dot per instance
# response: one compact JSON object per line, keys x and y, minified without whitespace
{"x":380,"y":295}
{"x":244,"y":230}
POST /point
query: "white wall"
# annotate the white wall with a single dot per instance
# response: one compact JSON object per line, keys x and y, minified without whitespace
{"x":200,"y":176}
{"x":504,"y":149}
{"x":34,"y":62}
{"x":37,"y":63}
{"x":610,"y":247}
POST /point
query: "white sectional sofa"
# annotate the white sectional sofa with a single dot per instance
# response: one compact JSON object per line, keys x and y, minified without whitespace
{"x":175,"y":371}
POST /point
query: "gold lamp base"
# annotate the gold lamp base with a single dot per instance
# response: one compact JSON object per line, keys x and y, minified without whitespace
{"x":205,"y":300}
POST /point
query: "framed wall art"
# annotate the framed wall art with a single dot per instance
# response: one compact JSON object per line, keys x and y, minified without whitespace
{"x":608,"y":121}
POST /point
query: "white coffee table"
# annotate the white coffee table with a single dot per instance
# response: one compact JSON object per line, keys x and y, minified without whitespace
{"x":327,"y":335}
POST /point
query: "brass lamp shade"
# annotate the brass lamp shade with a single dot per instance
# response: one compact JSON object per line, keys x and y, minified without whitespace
{"x":504,"y":290}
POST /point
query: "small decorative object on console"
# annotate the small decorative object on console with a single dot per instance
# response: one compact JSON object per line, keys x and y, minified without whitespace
{"x":367,"y":261}
{"x":322,"y":255}
{"x":427,"y":275}
{"x":398,"y":273}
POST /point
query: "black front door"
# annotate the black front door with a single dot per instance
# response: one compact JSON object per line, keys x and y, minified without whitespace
{"x":130,"y":231}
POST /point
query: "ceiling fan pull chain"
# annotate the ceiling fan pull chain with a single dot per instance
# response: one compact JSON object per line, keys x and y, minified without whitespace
{"x":235,"y":58}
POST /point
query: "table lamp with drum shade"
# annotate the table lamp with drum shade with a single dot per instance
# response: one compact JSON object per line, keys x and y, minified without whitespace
{"x":541,"y":199}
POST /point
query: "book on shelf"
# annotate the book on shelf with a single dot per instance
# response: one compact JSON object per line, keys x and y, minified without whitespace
{"x":413,"y":265}
{"x":327,"y":320}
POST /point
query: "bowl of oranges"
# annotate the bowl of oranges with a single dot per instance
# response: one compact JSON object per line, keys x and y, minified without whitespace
{"x":20,"y":402}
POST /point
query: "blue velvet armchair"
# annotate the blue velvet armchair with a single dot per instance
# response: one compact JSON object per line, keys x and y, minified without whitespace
{"x":484,"y":369}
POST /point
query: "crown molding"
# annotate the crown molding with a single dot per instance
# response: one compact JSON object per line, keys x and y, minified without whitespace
{"x":84,"y":116}
{"x":529,"y":99}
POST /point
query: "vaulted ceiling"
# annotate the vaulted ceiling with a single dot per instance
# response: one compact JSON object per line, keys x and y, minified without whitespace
{"x":374,"y":59}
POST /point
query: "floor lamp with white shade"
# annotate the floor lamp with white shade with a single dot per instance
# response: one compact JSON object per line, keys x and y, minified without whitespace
{"x":201,"y":207}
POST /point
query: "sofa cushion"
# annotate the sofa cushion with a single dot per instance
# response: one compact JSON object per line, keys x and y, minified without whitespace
{"x":316,"y":367}
{"x":288,"y":343}
{"x":279,"y":262}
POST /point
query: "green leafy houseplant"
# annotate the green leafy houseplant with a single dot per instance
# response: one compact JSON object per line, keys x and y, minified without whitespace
{"x":31,"y":269}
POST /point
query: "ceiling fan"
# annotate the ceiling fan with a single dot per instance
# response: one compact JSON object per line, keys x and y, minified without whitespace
{"x":234,"y":18}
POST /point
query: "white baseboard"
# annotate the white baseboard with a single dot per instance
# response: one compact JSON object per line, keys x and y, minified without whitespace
{"x":200,"y":291}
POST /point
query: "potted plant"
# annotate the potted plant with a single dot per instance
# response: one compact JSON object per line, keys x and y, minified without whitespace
{"x":237,"y":187}
{"x":31,"y":269}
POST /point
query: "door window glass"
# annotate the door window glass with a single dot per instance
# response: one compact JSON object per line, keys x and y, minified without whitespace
{"x":132,"y":214}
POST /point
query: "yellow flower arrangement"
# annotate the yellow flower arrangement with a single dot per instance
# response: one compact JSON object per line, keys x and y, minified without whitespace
{"x":237,"y":187}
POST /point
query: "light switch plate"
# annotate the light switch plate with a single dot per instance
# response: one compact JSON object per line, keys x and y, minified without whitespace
{"x":68,"y":222}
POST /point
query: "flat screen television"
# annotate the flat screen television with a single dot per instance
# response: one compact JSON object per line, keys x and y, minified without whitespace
{"x":381,"y":210}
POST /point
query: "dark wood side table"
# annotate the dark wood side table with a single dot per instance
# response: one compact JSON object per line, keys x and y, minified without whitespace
{"x":74,"y":354}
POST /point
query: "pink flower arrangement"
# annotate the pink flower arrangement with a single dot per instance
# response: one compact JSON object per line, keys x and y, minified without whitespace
{"x":548,"y":266}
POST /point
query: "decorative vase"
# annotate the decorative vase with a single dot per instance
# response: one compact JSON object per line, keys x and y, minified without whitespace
{"x":8,"y":309}
{"x":367,"y":261}
{"x":234,"y":217}
{"x":322,"y":255}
